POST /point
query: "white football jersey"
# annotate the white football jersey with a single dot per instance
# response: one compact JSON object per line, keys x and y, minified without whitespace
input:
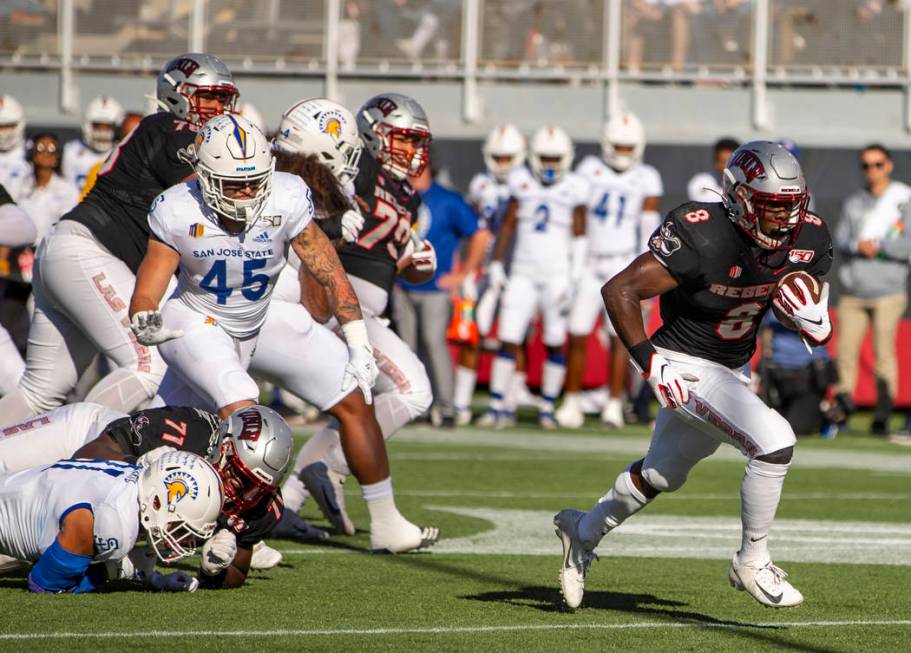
{"x":45,"y":206}
{"x":230,"y":277}
{"x":704,"y":187}
{"x":545,"y":222}
{"x":489,"y":197}
{"x":78,"y":160}
{"x":14,"y":170}
{"x":614,"y":224}
{"x":33,"y":501}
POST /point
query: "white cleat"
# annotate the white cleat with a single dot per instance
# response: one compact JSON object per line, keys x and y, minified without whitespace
{"x":547,"y":422}
{"x":264,"y":556}
{"x":463,"y":416}
{"x":9,"y":564}
{"x":577,"y":558}
{"x":327,"y":488}
{"x":488,"y":419}
{"x":765,"y":582}
{"x":612,"y":415}
{"x":569,"y":416}
{"x":401,"y":535}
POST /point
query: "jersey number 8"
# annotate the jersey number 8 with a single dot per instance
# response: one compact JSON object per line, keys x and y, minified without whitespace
{"x":738,"y":322}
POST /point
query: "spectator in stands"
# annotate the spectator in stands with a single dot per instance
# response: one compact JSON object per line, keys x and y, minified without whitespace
{"x":796,"y":381}
{"x":706,"y":186}
{"x":422,"y":312}
{"x":875,"y":249}
{"x":46,"y":196}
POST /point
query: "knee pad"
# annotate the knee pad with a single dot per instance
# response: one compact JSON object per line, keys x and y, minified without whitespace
{"x":39,"y":400}
{"x":780,"y":457}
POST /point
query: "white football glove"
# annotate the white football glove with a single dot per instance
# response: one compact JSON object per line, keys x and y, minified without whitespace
{"x":496,"y":275}
{"x":352,"y":223}
{"x":149,"y":330}
{"x":669,"y":385}
{"x":176,"y":582}
{"x":218,"y":552}
{"x":811,"y":318}
{"x":149,"y":457}
{"x":425,"y":258}
{"x":361,"y":367}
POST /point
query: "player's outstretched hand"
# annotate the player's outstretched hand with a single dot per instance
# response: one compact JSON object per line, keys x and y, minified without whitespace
{"x":811,"y":317}
{"x":176,"y":582}
{"x":149,"y":330}
{"x":218,"y":552}
{"x":668,"y":384}
{"x":352,"y":223}
{"x":361,"y":367}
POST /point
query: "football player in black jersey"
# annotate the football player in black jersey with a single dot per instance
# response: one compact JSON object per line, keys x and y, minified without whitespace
{"x":716,"y":267}
{"x":85,"y":270}
{"x":395,"y":134}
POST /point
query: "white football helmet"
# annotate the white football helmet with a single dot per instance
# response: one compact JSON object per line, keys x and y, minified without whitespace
{"x":503,"y":141}
{"x":183,"y":77}
{"x":623,"y":130}
{"x":231,"y":153}
{"x":385,"y":119}
{"x":100,"y":121}
{"x":554,"y":144}
{"x":180,"y":498}
{"x":251,"y":113}
{"x":12,"y":123}
{"x":255,"y":453}
{"x":324,"y":128}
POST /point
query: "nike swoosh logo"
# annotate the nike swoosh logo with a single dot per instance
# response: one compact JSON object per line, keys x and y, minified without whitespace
{"x":330,"y":503}
{"x":756,"y":539}
{"x":772,"y":597}
{"x":816,"y":322}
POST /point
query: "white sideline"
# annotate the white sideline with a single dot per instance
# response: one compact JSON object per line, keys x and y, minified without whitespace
{"x":449,"y":630}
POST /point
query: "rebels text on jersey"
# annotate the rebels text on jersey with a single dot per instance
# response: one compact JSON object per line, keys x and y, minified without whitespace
{"x":188,"y":429}
{"x":155,"y":156}
{"x":726,"y":281}
{"x":392,"y":207}
{"x":230,"y":277}
{"x":614,"y":225}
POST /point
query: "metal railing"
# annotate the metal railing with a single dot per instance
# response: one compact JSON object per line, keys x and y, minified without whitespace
{"x":750,"y":43}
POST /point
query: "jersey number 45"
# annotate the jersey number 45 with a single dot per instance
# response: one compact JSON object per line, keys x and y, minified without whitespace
{"x":253,"y":287}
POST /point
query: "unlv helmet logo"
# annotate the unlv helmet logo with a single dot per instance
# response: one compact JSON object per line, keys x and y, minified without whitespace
{"x":385,"y":105}
{"x":186,"y":66}
{"x":750,"y":164}
{"x":253,"y":425}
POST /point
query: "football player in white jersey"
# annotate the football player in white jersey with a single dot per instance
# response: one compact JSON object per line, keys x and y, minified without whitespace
{"x":313,"y":132}
{"x":622,"y":213}
{"x":706,"y":186}
{"x":504,"y":150}
{"x":14,"y":169}
{"x":76,"y":512}
{"x":100,"y":122}
{"x":546,"y":213}
{"x":16,"y":230}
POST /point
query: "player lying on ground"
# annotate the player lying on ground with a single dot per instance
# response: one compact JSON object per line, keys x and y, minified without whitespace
{"x":251,"y":451}
{"x":78,"y":519}
{"x":717,"y":268}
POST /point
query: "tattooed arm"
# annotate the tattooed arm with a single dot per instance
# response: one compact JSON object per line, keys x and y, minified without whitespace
{"x":319,"y":257}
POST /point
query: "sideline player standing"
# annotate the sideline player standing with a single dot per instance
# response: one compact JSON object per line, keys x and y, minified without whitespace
{"x":546,"y":212}
{"x":622,"y":214}
{"x":716,"y":267}
{"x":85,"y":269}
{"x":100,"y":123}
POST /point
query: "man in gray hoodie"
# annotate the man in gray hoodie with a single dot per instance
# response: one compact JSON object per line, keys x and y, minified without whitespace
{"x":875,"y":248}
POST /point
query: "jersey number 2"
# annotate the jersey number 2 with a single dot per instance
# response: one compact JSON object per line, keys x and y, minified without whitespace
{"x":738,"y":321}
{"x":254,"y":285}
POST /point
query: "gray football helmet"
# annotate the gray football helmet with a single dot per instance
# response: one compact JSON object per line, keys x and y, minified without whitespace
{"x":255,"y":453}
{"x":765,"y":193}
{"x":185,"y":76}
{"x":384,"y":122}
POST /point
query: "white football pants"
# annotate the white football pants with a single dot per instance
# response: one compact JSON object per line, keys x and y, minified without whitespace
{"x":523,"y":297}
{"x":587,"y":301}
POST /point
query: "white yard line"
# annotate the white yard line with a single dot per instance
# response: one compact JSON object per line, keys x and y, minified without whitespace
{"x":675,"y":496}
{"x":636,"y":625}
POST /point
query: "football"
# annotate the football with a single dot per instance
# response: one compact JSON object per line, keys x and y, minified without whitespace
{"x":789,"y":280}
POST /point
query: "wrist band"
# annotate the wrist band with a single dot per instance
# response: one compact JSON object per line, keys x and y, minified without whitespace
{"x":641,"y":355}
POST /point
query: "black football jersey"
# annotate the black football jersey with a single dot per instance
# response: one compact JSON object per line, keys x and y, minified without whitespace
{"x":256,"y":523}
{"x":189,"y":429}
{"x":726,"y":281}
{"x":155,"y":156}
{"x":393,"y":208}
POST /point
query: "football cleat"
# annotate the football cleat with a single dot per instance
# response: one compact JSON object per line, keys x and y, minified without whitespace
{"x":327,"y":487}
{"x":463,"y":416}
{"x":612,"y":415}
{"x":294,"y":527}
{"x":577,"y":558}
{"x":569,"y":416}
{"x":547,"y":421}
{"x":765,"y":582}
{"x":9,"y":564}
{"x":489,"y":419}
{"x":264,"y":556}
{"x":400,"y":535}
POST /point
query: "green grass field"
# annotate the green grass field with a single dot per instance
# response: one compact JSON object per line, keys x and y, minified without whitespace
{"x":843,"y":533}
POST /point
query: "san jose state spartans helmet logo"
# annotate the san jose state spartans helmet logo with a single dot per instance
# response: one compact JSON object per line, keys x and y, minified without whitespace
{"x":331,"y":123}
{"x":179,"y":484}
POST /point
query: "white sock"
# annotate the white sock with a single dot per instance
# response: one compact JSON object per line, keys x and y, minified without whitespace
{"x":511,"y":400}
{"x":552,"y":383}
{"x":623,"y":501}
{"x":465,"y":379}
{"x":380,"y":501}
{"x":294,"y":493}
{"x":501,"y":376}
{"x":760,"y":493}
